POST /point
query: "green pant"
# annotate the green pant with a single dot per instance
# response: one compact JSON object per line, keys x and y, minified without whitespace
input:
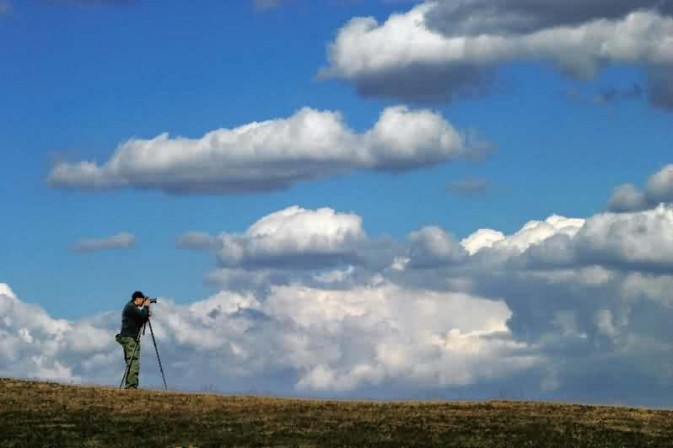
{"x":132,"y":358}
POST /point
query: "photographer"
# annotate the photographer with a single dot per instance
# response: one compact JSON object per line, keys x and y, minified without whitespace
{"x":135,"y":314}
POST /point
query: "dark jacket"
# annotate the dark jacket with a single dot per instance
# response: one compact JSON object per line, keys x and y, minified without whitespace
{"x":133,"y":318}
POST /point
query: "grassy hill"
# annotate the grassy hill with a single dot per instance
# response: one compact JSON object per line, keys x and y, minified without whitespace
{"x":34,"y":414}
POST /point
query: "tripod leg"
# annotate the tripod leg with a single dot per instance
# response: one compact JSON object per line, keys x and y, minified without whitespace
{"x":158,"y":358}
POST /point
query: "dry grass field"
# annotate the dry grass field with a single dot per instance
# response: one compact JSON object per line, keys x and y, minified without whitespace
{"x":36,"y":414}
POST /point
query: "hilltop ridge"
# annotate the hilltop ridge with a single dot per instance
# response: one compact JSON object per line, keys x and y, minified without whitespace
{"x":36,"y":414}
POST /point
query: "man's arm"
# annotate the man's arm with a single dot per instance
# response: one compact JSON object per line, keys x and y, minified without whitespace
{"x":138,"y":314}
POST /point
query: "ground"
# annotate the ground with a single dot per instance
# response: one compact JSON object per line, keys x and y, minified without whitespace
{"x":38,"y":414}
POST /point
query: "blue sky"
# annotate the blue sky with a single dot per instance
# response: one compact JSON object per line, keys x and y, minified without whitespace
{"x":78,"y":80}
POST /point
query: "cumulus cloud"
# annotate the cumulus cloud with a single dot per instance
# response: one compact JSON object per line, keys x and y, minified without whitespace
{"x":295,"y":244}
{"x":660,"y":185}
{"x":577,"y":289}
{"x":535,"y":232}
{"x":122,"y":240}
{"x":32,"y":342}
{"x":285,"y":238}
{"x":580,"y":292}
{"x":559,"y":304}
{"x":441,"y":50}
{"x":328,"y":341}
{"x":272,"y":154}
{"x":626,"y":198}
{"x":483,"y":238}
{"x":637,"y":241}
{"x":659,"y":189}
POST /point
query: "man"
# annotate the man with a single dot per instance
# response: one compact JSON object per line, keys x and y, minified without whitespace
{"x":135,"y":314}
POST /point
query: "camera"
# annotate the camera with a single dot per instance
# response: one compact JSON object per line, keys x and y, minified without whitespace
{"x":152,"y":300}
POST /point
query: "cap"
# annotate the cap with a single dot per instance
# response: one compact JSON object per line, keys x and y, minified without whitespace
{"x":137,"y":295}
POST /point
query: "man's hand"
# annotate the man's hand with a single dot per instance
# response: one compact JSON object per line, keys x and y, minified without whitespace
{"x":146,"y":302}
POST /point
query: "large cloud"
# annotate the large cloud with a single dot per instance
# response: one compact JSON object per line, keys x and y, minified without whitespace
{"x":272,"y":154}
{"x":437,"y":51}
{"x":297,"y":339}
{"x":561,"y":304}
{"x":588,"y":293}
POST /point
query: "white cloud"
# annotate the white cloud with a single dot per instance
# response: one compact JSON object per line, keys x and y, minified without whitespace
{"x":660,"y":186}
{"x":659,"y":189}
{"x":30,"y":340}
{"x":292,"y":234}
{"x":637,"y":241}
{"x":588,"y":292}
{"x":532,"y":234}
{"x":122,"y":240}
{"x":271,"y":155}
{"x":380,"y":333}
{"x":406,"y":57}
{"x":317,"y":247}
{"x":330,"y":340}
{"x":627,"y":198}
{"x":640,"y":240}
{"x":299,"y":230}
{"x":481,"y":239}
{"x":573,"y":286}
{"x":558,"y":304}
{"x":535,"y":232}
{"x":604,"y":321}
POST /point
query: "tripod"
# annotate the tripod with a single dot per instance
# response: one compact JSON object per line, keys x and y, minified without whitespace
{"x":130,"y":360}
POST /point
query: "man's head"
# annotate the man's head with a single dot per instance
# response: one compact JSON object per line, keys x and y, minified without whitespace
{"x":138,"y":298}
